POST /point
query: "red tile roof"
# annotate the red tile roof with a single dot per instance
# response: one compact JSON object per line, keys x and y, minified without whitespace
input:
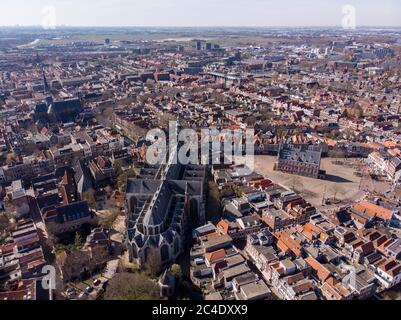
{"x":320,"y":271}
{"x":215,"y":256}
{"x":372,"y":210}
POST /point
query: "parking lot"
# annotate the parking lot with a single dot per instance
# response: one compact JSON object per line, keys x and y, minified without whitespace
{"x":86,"y":290}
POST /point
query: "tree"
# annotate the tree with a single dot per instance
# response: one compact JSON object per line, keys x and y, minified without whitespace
{"x":11,"y":157}
{"x":123,"y":178}
{"x":213,"y":202}
{"x":78,"y":240}
{"x":105,"y":114}
{"x":89,"y":197}
{"x":30,"y":148}
{"x":281,"y":132}
{"x":296,"y":184}
{"x":337,"y":190}
{"x":51,"y":229}
{"x":165,"y":119}
{"x":127,"y":286}
{"x":250,"y":121}
{"x":176,"y":271}
{"x":297,"y":131}
{"x":153,"y":262}
{"x":238,"y":192}
{"x":4,"y":225}
{"x":358,"y":112}
{"x":336,"y":154}
{"x":218,"y":97}
{"x":118,"y":167}
{"x":109,"y":220}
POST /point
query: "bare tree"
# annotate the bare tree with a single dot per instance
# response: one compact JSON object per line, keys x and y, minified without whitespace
{"x":89,"y":197}
{"x":336,"y":191}
{"x":127,"y":286}
{"x":153,"y":262}
{"x":4,"y":224}
{"x":296,"y":184}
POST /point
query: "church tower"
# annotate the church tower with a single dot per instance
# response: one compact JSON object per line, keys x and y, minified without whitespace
{"x":45,"y":84}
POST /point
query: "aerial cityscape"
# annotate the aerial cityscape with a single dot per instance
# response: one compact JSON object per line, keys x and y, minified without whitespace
{"x":200,"y":163}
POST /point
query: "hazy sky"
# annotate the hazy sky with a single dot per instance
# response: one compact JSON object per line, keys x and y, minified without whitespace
{"x":199,"y":12}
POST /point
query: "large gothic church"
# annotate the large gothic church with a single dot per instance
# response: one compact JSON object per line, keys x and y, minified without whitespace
{"x":162,"y":205}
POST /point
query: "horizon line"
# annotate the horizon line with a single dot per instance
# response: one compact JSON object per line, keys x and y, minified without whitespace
{"x":206,"y":26}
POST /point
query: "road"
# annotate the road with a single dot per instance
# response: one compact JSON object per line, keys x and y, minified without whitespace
{"x":111,"y":268}
{"x":45,"y":243}
{"x":345,"y":203}
{"x":251,"y":264}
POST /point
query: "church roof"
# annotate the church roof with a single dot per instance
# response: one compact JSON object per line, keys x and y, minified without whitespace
{"x":41,"y":108}
{"x":70,"y":105}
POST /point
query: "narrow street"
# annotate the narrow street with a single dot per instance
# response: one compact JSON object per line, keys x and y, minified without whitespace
{"x":240,"y":246}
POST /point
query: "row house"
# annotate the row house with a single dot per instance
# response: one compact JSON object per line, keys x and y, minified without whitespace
{"x":27,"y":169}
{"x":67,"y":155}
{"x":389,"y":273}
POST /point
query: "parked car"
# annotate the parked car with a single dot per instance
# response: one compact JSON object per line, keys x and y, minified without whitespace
{"x":82,"y":295}
{"x":97,"y":282}
{"x":89,"y":289}
{"x":199,"y":261}
{"x":71,"y":293}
